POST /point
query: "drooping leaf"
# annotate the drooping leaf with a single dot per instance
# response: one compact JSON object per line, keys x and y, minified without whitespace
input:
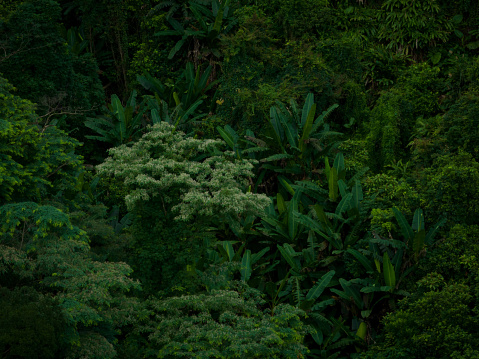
{"x":333,"y":184}
{"x":226,"y":136}
{"x":418,"y":220}
{"x":362,"y":259}
{"x":246,"y":269}
{"x":389,"y":272}
{"x":228,"y":247}
{"x":318,"y":289}
{"x":343,"y":205}
{"x":280,"y":202}
{"x":286,"y":184}
{"x":357,"y":195}
{"x":257,"y":256}
{"x":406,"y":229}
{"x":276,"y":124}
{"x":307,"y":126}
{"x":342,"y":188}
{"x":287,"y":252}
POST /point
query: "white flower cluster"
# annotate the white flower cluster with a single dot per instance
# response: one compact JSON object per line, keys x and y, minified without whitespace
{"x":193,"y":176}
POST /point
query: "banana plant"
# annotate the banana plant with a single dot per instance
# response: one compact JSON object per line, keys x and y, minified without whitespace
{"x":121,"y":124}
{"x":77,"y":43}
{"x":296,"y":142}
{"x":226,"y":253}
{"x":300,"y":137}
{"x":181,"y":104}
{"x":205,"y":26}
{"x":341,"y":226}
{"x":119,"y":224}
{"x":178,"y":116}
{"x":189,"y":88}
{"x":301,"y":284}
{"x":415,"y":234}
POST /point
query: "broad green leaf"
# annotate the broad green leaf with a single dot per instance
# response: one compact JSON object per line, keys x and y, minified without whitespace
{"x":406,"y":229}
{"x":177,"y":47}
{"x":176,"y":25}
{"x":246,"y":269}
{"x":287,"y":255}
{"x":397,"y":261}
{"x":339,"y":163}
{"x":276,"y":124}
{"x":306,"y":112}
{"x":226,"y":136}
{"x":222,"y":251}
{"x":342,"y":188}
{"x":289,"y":127}
{"x":238,"y":253}
{"x":352,"y":292}
{"x":311,"y":225}
{"x":155,"y":117}
{"x":357,"y":195}
{"x":457,"y":19}
{"x":362,"y":331}
{"x":362,"y":259}
{"x":343,"y":205}
{"x":307,"y":126}
{"x":280,"y":202}
{"x":322,"y":216}
{"x":257,"y":256}
{"x":284,"y":182}
{"x":219,"y":17}
{"x":342,"y":294}
{"x":318,"y":289}
{"x":327,"y":168}
{"x":418,"y":220}
{"x":323,"y":304}
{"x":333,"y":184}
{"x":227,"y":245}
{"x":436,"y":58}
{"x":202,"y":84}
{"x":388,"y":270}
{"x":199,"y":17}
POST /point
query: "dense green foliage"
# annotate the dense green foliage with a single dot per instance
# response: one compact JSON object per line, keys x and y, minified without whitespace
{"x":239,"y":179}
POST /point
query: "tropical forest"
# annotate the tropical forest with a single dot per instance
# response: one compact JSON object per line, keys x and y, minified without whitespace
{"x":271,"y":179}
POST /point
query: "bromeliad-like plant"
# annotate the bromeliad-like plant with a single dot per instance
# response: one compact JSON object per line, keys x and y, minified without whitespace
{"x":121,"y":125}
